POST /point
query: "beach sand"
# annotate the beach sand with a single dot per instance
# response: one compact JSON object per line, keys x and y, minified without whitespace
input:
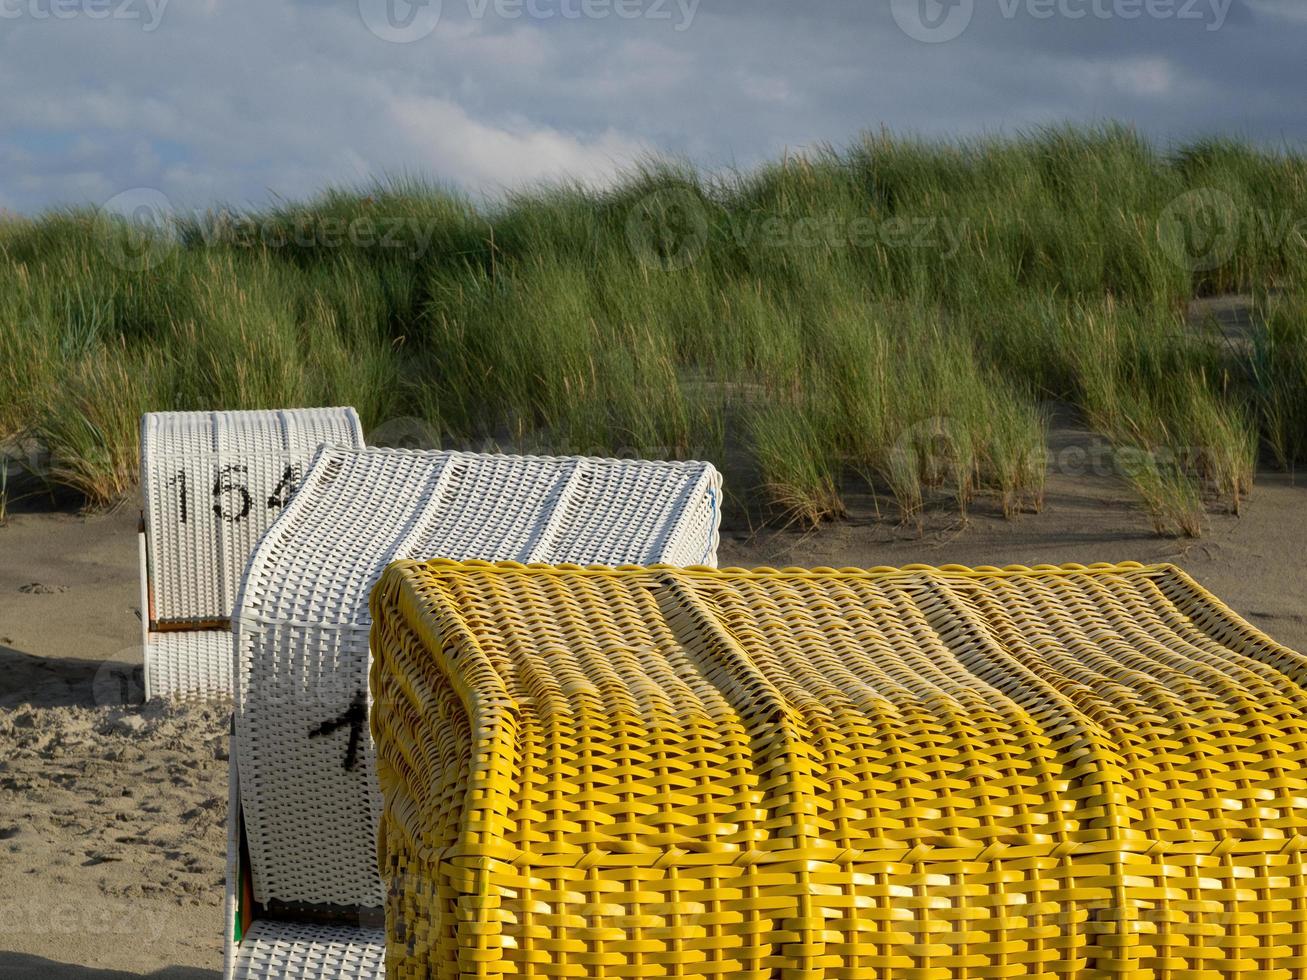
{"x":112,"y":818}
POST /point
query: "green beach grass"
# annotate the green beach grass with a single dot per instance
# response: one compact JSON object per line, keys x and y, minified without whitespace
{"x":894,"y":314}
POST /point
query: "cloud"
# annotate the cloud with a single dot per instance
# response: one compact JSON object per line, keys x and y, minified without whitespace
{"x":449,"y":142}
{"x":1150,"y":77}
{"x":236,"y":100}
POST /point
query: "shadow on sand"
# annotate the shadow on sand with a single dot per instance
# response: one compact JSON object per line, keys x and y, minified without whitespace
{"x":50,"y":682}
{"x":21,"y":966}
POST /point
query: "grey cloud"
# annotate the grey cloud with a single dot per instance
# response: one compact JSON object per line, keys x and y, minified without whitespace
{"x":235,"y":100}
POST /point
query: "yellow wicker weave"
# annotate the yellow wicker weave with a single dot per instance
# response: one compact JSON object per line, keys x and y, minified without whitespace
{"x":908,"y":773}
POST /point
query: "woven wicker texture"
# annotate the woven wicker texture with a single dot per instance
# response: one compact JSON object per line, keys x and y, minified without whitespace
{"x":278,"y":949}
{"x":188,"y":664}
{"x":213,"y":482}
{"x":275,"y":950}
{"x":917,"y":773}
{"x":307,"y":783}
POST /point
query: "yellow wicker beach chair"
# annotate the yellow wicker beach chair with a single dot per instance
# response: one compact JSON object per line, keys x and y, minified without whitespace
{"x":915,"y":773}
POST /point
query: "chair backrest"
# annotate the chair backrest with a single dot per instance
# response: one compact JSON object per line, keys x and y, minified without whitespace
{"x":304,"y":754}
{"x":213,"y":483}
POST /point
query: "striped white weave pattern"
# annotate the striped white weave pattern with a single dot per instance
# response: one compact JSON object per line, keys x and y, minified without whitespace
{"x":302,"y":746}
{"x":188,"y":664}
{"x":213,"y":483}
{"x":274,"y":950}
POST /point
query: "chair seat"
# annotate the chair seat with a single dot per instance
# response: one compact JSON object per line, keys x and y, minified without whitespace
{"x":190,"y":665}
{"x":275,"y":950}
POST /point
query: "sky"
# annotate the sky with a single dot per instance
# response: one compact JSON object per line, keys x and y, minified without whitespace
{"x":204,"y":103}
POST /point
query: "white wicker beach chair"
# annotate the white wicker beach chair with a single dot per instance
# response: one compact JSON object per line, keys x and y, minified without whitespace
{"x":305,"y":809}
{"x":212,"y":483}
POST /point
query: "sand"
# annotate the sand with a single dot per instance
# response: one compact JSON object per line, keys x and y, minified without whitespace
{"x":112,"y":818}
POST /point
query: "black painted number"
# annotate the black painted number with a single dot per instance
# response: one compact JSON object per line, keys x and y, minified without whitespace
{"x":290,"y":482}
{"x":227,"y":491}
{"x":355,"y":717}
{"x":232,"y":497}
{"x":179,"y":481}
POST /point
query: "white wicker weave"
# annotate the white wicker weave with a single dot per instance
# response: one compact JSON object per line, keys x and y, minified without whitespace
{"x":275,"y":950}
{"x":213,"y":483}
{"x":302,"y":747}
{"x":280,"y":950}
{"x":188,"y":663}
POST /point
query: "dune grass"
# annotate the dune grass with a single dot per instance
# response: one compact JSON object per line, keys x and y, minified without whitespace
{"x":891,"y":314}
{"x":1280,"y":370}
